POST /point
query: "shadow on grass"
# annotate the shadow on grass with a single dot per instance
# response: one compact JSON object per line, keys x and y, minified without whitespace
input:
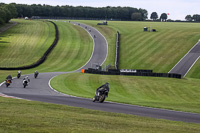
{"x":3,"y":41}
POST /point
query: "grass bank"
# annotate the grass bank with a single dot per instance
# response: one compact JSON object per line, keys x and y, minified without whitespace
{"x":72,"y":51}
{"x":158,"y":51}
{"x":25,"y":43}
{"x":174,"y":94}
{"x":26,"y":116}
{"x":194,"y":71}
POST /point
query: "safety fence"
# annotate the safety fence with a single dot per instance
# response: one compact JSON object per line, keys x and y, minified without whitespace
{"x":42,"y":59}
{"x":117,"y":51}
{"x":132,"y":73}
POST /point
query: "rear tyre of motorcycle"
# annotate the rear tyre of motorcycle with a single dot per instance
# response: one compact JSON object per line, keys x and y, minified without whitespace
{"x":7,"y":85}
{"x":24,"y":86}
{"x":101,"y":98}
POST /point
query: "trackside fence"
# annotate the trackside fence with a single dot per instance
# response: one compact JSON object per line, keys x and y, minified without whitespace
{"x":133,"y":73}
{"x":117,"y":51}
{"x":42,"y":59}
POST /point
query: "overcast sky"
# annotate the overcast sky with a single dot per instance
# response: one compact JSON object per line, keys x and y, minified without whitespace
{"x":177,"y":9}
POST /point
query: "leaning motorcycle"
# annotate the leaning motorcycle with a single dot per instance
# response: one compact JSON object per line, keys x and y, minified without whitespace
{"x":8,"y":82}
{"x":100,"y":95}
{"x":18,"y":75}
{"x":25,"y":83}
{"x":35,"y":75}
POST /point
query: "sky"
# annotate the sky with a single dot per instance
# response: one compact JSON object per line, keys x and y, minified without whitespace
{"x":177,"y":9}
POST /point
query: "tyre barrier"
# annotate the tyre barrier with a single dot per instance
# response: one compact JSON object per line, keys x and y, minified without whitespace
{"x":137,"y":73}
{"x":42,"y":59}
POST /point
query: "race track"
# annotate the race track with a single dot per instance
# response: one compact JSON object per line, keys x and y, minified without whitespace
{"x":186,"y":63}
{"x":39,"y":90}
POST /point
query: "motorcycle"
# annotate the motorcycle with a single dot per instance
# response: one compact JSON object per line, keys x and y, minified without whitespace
{"x":18,"y":75}
{"x":25,"y":83}
{"x":8,"y":82}
{"x":35,"y":75}
{"x":100,"y":95}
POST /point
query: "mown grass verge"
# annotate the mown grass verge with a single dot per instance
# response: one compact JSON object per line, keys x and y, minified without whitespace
{"x":26,"y":116}
{"x":194,"y":71}
{"x":25,"y":43}
{"x":174,"y":94}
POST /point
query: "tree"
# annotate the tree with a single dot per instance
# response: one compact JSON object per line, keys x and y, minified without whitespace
{"x":188,"y":18}
{"x":154,"y":16}
{"x":136,"y":16}
{"x":196,"y":17}
{"x":144,"y":13}
{"x":163,"y":17}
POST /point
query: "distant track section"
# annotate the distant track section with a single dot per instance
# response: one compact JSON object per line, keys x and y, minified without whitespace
{"x":42,"y":59}
{"x":186,"y":63}
{"x":7,"y":27}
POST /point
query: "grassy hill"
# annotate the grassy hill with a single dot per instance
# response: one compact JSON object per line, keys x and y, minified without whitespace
{"x":158,"y":51}
{"x":25,"y":43}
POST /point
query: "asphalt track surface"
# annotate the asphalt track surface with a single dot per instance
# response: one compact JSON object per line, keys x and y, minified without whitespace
{"x":39,"y":90}
{"x":7,"y":26}
{"x":186,"y":63}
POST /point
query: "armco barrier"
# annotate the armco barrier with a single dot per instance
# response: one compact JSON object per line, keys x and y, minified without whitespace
{"x":42,"y":59}
{"x":137,"y":73}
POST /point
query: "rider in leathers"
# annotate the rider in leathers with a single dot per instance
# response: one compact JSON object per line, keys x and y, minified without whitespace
{"x":102,"y":88}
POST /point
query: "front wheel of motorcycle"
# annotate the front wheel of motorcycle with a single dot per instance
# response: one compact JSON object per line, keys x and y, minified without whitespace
{"x":93,"y":99}
{"x":101,"y":98}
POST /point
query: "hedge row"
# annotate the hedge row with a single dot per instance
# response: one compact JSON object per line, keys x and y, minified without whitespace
{"x":137,"y":73}
{"x":42,"y":59}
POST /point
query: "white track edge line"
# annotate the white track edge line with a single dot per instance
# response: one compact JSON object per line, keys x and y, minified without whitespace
{"x":184,"y":56}
{"x":191,"y":66}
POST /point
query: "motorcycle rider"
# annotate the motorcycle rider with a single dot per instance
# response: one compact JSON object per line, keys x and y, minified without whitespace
{"x":19,"y":72}
{"x":102,"y":88}
{"x":26,"y":79}
{"x":9,"y":77}
{"x":36,"y":73}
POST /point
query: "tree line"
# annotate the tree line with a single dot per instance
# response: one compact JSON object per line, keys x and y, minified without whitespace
{"x":163,"y":16}
{"x":195,"y":17}
{"x":7,"y":12}
{"x":118,"y":13}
